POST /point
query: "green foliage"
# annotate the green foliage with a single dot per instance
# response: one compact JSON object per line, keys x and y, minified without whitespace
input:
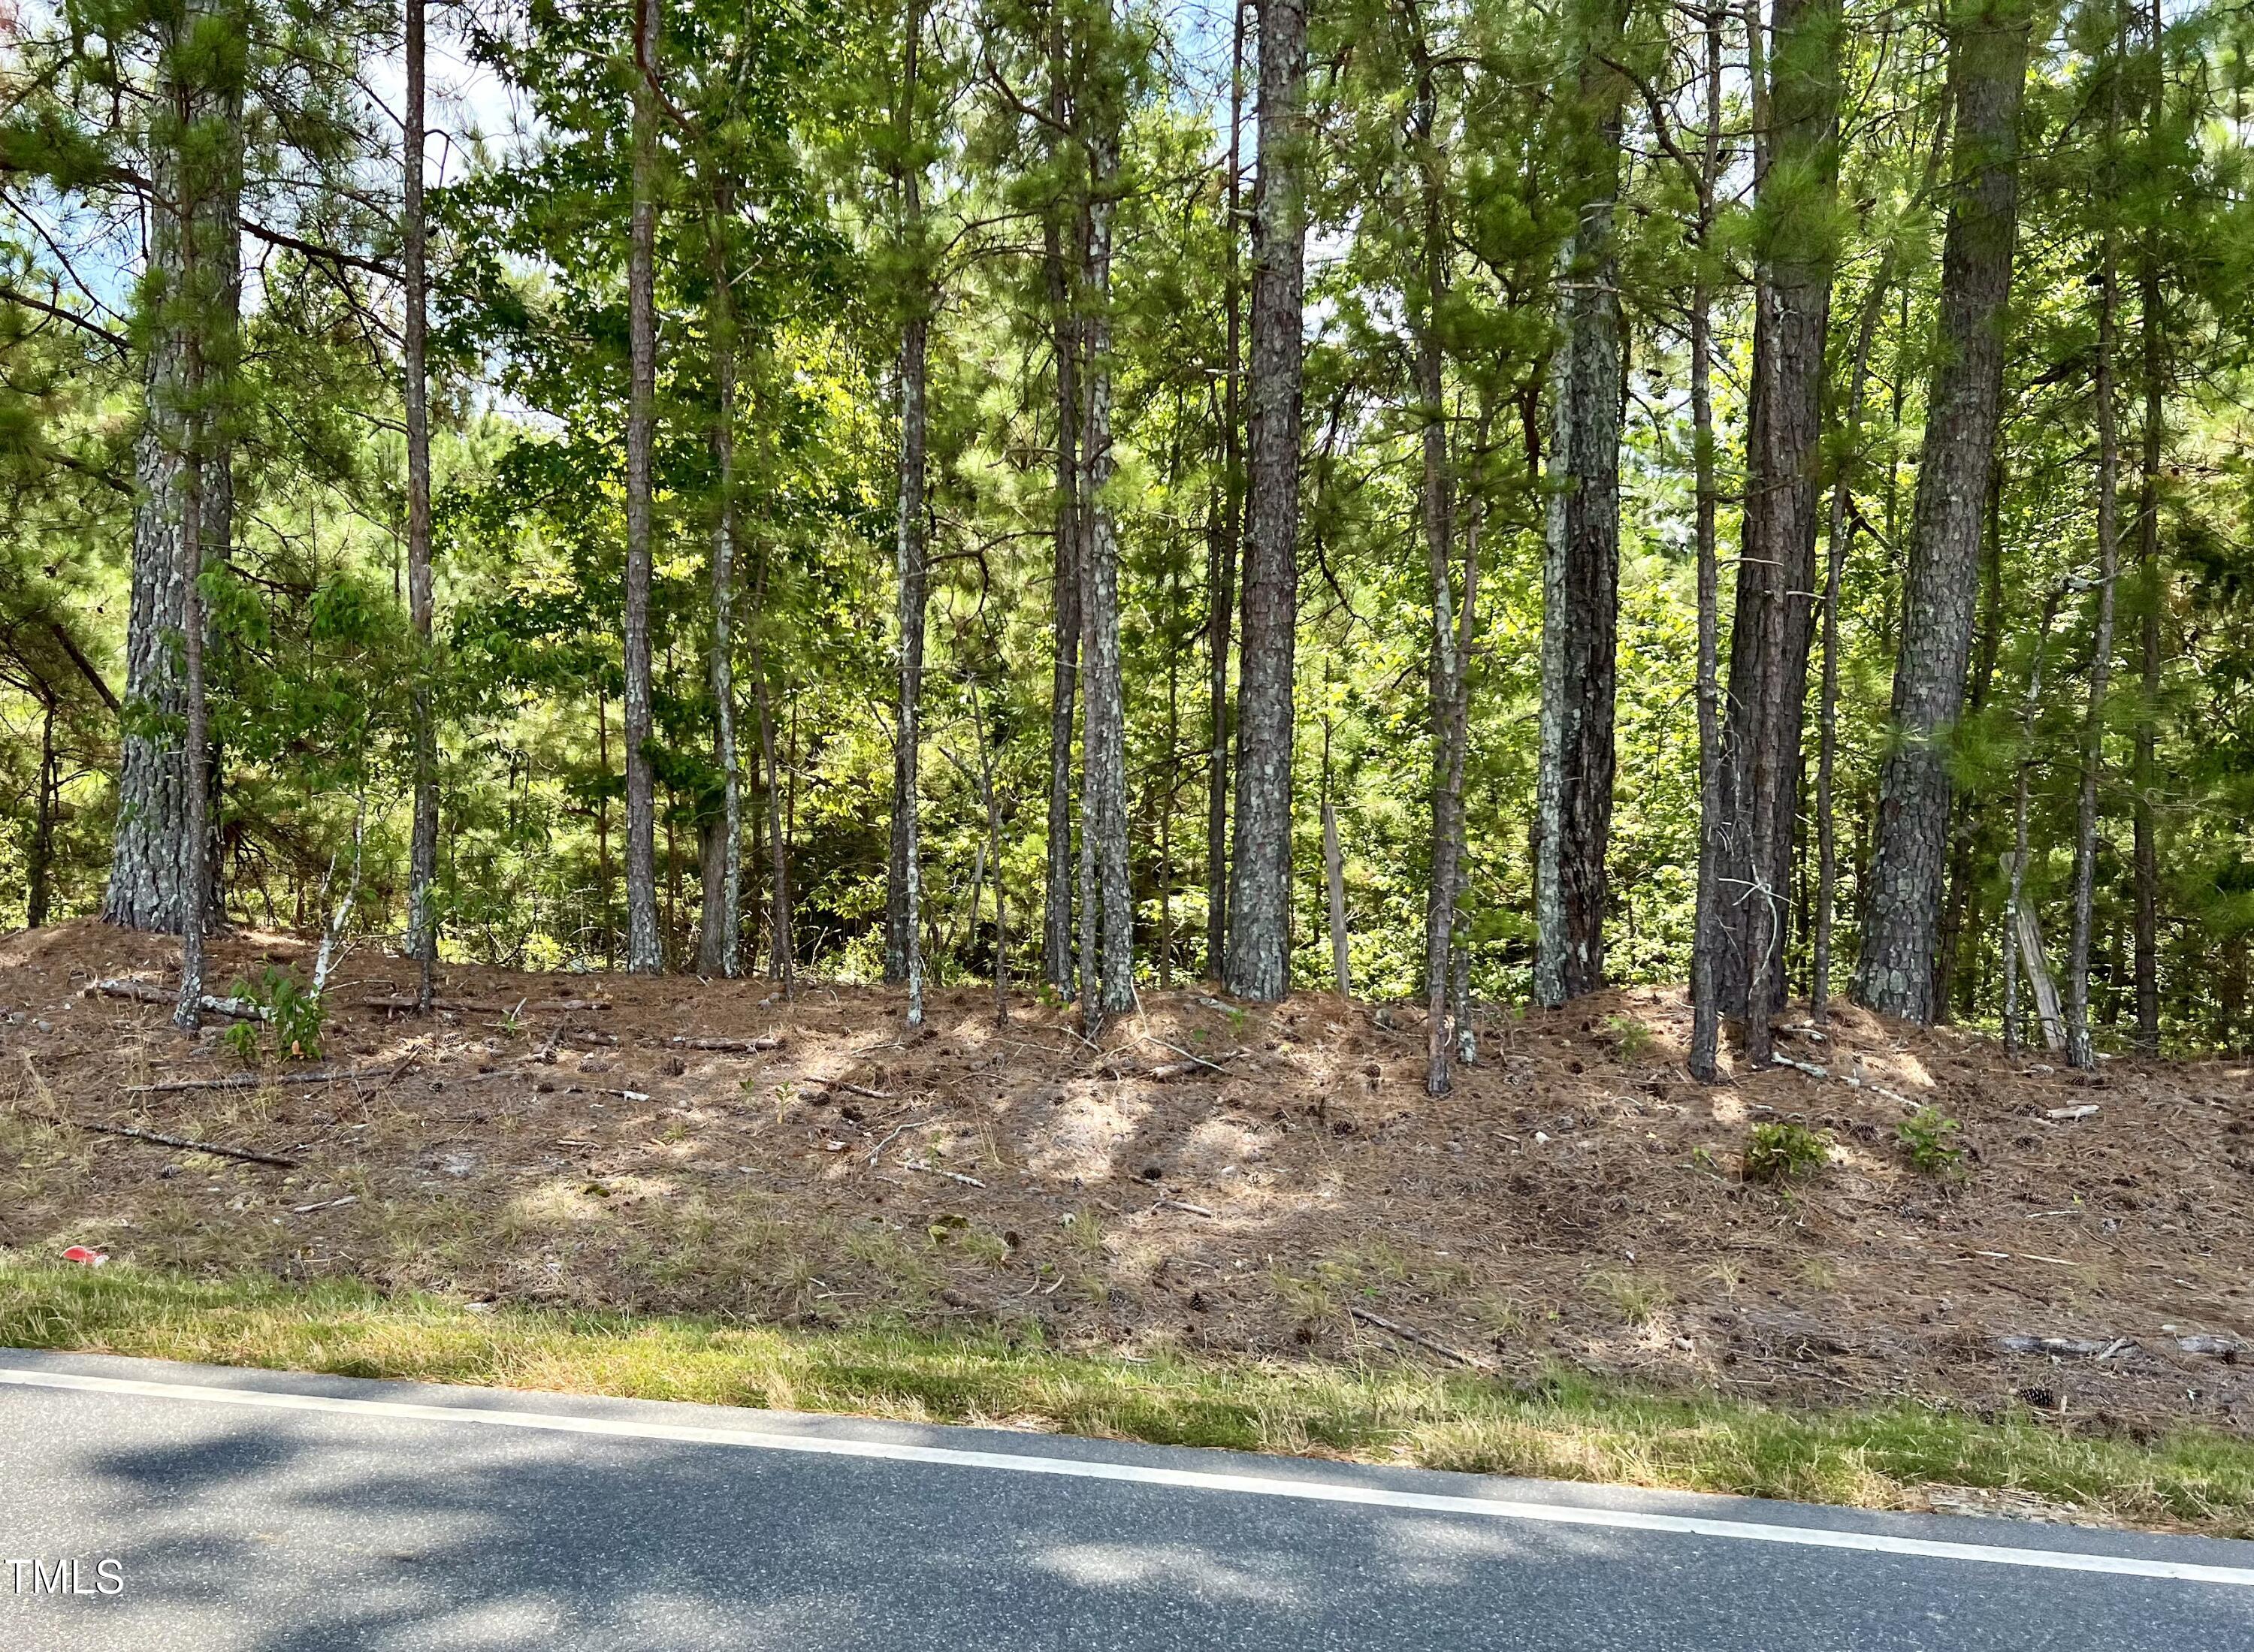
{"x":289,"y":1027}
{"x":1780,"y":1151}
{"x":1932,"y":1142}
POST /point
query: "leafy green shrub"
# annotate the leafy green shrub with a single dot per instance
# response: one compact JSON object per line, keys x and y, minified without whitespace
{"x":1631,"y":1039}
{"x":290,"y":1026}
{"x":1932,"y":1141}
{"x":1780,"y":1151}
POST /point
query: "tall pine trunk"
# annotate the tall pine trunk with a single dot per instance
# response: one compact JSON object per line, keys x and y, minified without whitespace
{"x":1580,"y":577}
{"x":1220,"y":562}
{"x":423,"y":853}
{"x":720,"y":939}
{"x":1258,"y":960}
{"x":2151,"y":588}
{"x":2079,"y":1052}
{"x":1061,"y":283}
{"x":193,"y":299}
{"x":644,"y":949}
{"x":1894,"y":974}
{"x":1103,"y":735}
{"x":1707,"y":935}
{"x":1797,"y":183}
{"x":907,"y":874}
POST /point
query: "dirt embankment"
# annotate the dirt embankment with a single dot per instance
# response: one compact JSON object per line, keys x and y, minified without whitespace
{"x":1271,"y":1181}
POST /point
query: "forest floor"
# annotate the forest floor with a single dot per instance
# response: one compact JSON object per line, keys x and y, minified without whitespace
{"x":1214,"y":1181}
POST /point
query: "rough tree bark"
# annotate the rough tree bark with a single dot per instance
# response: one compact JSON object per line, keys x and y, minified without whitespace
{"x":1581,"y":567}
{"x":423,"y":853}
{"x":720,"y":944}
{"x":1221,"y":561}
{"x":1797,"y":183}
{"x":1894,"y":972}
{"x":195,"y":204}
{"x":1057,"y":966}
{"x":1103,"y":731}
{"x":645,"y":953}
{"x":1706,"y":927}
{"x":2151,"y":588}
{"x":2079,"y":1052}
{"x":1258,"y":961}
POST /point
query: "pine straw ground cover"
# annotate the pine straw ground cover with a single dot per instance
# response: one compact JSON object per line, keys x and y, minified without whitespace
{"x":1242,"y":1226}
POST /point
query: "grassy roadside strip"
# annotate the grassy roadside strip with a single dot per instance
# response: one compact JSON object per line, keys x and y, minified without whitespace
{"x":1570,"y":1427}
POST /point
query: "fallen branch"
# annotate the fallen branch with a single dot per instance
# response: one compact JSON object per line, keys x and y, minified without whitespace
{"x":1848,"y":1079}
{"x":2070,"y":1348}
{"x":253,"y":1080}
{"x":2066,"y":1115}
{"x":736,"y":1047}
{"x":934,"y":1170}
{"x":851,"y":1089}
{"x":464,"y":1006}
{"x":1410,"y":1334}
{"x":147,"y":992}
{"x":1183,"y":1204}
{"x":151,"y":1135}
{"x":324,"y":1204}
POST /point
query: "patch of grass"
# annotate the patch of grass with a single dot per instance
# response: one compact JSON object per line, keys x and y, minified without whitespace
{"x":1780,"y":1151}
{"x":1566,"y":1427}
{"x":1636,"y":1297}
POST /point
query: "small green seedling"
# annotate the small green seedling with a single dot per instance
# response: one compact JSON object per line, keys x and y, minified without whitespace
{"x":1932,"y":1141}
{"x":1777,"y":1152}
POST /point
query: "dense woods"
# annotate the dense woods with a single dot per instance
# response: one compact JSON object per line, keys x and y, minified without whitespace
{"x":1457,"y":501}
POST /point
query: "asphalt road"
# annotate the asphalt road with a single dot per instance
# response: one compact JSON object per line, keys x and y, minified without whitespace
{"x":254,"y":1509}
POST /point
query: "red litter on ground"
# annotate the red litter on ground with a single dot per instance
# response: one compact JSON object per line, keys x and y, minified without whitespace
{"x":92,"y":1259}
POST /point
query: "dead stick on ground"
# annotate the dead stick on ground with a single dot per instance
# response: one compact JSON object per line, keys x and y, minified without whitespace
{"x":851,"y":1089}
{"x":934,"y":1170}
{"x":169,"y":1141}
{"x":253,"y":1080}
{"x":144,"y":992}
{"x":739,"y":1047}
{"x":1191,"y":1056}
{"x":1410,"y":1334}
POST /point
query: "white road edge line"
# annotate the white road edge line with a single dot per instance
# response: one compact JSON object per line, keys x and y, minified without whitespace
{"x":1187,"y":1479}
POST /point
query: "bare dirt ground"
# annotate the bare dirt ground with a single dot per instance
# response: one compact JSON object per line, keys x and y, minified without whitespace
{"x":1267,"y":1181}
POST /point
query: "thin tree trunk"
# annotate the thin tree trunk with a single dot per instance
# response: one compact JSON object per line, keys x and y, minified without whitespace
{"x":41,"y":862}
{"x":721,"y":944}
{"x":1580,"y":581}
{"x":187,"y":1013}
{"x":994,"y":853}
{"x":1334,"y":879}
{"x":1103,"y":734}
{"x":781,"y":954}
{"x":2079,"y":1052}
{"x":1769,"y":644}
{"x":644,"y":954}
{"x":423,"y":854}
{"x":1894,"y":974}
{"x":1220,"y":564}
{"x":1707,"y":933}
{"x":909,"y":733}
{"x":1436,"y":502}
{"x":1064,"y":688}
{"x":1258,"y":961}
{"x":2151,"y":594}
{"x":603,"y":825}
